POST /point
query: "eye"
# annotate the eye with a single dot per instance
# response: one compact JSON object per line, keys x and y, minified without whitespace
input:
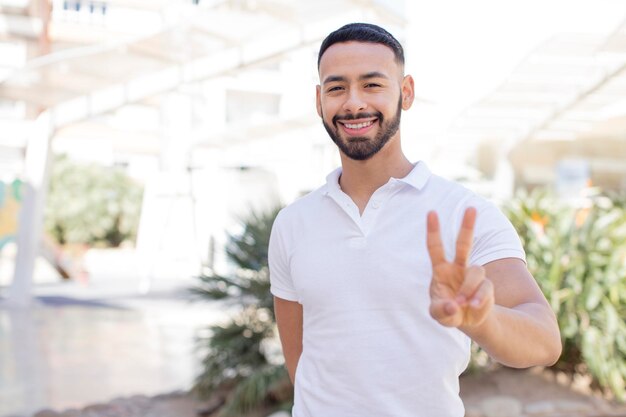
{"x":372,"y":85}
{"x":335,"y":88}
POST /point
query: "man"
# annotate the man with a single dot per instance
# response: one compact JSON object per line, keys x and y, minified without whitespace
{"x":376,"y":301}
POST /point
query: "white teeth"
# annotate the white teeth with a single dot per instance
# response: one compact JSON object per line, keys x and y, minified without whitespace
{"x":359,"y":125}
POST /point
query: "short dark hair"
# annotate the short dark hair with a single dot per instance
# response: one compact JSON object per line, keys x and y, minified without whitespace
{"x":362,"y":32}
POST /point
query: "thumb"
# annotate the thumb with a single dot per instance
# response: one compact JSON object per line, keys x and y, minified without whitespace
{"x":446,"y":312}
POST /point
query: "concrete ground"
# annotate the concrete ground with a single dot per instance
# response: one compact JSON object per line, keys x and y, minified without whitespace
{"x":107,"y":336}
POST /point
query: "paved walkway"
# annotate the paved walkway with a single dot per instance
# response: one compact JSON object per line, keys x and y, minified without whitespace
{"x":90,"y":343}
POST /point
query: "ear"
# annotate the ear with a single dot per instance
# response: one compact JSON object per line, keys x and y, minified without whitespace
{"x":408,"y":92}
{"x":318,"y":100}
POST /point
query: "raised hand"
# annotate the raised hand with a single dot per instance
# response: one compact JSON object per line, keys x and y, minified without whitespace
{"x":460,"y":296}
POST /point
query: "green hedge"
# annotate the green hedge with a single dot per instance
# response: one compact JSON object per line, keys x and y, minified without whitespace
{"x":577,"y":254}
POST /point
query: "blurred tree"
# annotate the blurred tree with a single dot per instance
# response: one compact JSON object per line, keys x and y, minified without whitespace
{"x":91,"y":204}
{"x":244,"y":356}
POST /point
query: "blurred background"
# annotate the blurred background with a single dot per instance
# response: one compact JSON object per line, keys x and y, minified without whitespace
{"x":146,"y":144}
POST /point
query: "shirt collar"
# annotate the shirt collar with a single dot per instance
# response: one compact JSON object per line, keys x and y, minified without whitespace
{"x":417,"y":178}
{"x":332,"y":181}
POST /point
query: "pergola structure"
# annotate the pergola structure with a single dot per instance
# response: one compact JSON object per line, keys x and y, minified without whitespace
{"x":104,"y":69}
{"x":564,"y":100}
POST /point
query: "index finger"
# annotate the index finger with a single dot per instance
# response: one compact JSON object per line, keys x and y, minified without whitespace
{"x":466,"y":234}
{"x":433,"y":239}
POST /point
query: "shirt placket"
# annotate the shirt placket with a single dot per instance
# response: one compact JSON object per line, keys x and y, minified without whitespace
{"x":376,"y":205}
{"x":347,"y":205}
{"x":365,"y":222}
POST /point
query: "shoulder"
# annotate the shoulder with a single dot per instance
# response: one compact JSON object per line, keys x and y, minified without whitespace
{"x":301,"y":208}
{"x":451,"y":194}
{"x":451,"y":199}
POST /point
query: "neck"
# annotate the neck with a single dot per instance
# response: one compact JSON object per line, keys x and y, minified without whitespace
{"x":359,"y":179}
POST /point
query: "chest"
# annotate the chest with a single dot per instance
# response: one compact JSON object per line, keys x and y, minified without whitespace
{"x":346,"y":268}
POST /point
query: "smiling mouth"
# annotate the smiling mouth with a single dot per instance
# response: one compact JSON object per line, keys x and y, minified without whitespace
{"x":357,"y":127}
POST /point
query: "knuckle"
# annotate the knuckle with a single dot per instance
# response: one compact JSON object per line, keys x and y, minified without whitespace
{"x":473,"y":277}
{"x":488,"y":284}
{"x":477,"y":269}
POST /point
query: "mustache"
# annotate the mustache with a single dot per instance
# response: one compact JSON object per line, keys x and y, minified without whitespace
{"x":338,"y":117}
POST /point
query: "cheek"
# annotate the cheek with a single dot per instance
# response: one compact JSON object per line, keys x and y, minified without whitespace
{"x":390,"y":110}
{"x":386,"y":103}
{"x":328,"y":108}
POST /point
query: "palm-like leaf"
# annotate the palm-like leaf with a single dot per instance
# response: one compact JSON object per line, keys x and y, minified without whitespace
{"x":234,"y":352}
{"x":261,"y":387}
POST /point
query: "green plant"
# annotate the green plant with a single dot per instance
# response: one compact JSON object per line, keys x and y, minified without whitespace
{"x":578,"y":256}
{"x":91,"y":204}
{"x":243,"y":356}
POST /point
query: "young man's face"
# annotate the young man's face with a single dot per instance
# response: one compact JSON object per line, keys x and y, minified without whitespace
{"x":361,"y":94}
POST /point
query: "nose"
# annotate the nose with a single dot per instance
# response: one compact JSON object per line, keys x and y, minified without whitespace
{"x":354,"y":103}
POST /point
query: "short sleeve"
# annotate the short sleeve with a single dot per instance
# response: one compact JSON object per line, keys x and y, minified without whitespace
{"x":281,"y":284}
{"x":494,"y":235}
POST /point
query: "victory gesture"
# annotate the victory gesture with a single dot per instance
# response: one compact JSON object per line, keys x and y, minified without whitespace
{"x":460,"y":296}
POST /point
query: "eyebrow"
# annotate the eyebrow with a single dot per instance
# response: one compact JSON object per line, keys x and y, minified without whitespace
{"x":369,"y":75}
{"x":373,"y":74}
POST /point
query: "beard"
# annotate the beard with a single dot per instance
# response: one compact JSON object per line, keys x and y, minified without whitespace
{"x":361,"y":148}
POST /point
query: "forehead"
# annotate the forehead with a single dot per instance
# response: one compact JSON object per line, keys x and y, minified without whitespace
{"x":348,"y":58}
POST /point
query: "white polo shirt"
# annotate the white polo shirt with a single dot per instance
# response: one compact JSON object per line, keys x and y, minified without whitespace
{"x":370,"y":347}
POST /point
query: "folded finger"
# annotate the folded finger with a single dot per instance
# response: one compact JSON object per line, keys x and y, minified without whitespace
{"x":483,"y":295}
{"x":474,"y":277}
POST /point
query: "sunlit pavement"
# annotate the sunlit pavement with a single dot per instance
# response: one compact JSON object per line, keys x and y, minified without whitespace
{"x":90,"y":342}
